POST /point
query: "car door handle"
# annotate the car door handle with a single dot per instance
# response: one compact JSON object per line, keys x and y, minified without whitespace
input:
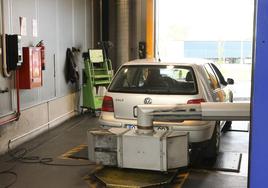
{"x":135,"y":111}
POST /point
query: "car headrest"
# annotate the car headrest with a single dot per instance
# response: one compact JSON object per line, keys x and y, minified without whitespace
{"x":189,"y":77}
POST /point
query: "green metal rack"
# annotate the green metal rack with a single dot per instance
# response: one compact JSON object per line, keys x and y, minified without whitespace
{"x":98,"y":73}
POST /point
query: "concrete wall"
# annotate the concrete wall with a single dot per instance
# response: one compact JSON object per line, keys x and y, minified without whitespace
{"x":62,"y":24}
{"x":36,"y":120}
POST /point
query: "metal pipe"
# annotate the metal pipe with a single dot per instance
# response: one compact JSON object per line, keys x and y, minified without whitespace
{"x":225,"y":111}
{"x":5,"y":71}
{"x":145,"y":120}
{"x":203,"y":112}
{"x":16,"y":115}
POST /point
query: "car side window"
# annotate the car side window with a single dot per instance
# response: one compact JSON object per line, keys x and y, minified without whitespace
{"x":177,"y":74}
{"x":212,"y":78}
{"x":219,"y":74}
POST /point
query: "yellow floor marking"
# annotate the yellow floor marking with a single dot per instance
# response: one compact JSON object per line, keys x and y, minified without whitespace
{"x":73,"y":151}
{"x":181,"y":178}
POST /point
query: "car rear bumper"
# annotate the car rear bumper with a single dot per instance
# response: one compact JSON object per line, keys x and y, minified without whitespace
{"x":199,"y":131}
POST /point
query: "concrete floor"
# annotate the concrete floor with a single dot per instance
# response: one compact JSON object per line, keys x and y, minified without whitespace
{"x":73,"y":133}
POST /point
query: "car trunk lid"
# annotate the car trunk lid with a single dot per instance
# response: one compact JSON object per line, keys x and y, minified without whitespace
{"x":124,"y":103}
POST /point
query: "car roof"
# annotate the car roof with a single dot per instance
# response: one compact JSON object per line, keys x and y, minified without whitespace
{"x":186,"y":61}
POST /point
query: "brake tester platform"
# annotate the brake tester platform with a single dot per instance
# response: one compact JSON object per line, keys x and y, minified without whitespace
{"x":67,"y":144}
{"x":118,"y":177}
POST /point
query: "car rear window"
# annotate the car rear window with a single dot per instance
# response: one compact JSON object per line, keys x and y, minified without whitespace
{"x":155,"y":79}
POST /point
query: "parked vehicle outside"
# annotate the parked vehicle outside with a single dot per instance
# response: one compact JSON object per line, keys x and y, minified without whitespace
{"x":150,"y":82}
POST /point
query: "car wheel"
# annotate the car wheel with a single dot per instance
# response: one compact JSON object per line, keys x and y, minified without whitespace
{"x":213,"y":147}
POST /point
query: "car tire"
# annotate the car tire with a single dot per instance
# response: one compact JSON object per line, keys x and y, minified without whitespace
{"x":213,"y":146}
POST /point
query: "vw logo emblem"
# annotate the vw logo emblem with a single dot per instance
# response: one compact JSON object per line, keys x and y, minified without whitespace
{"x":147,"y":100}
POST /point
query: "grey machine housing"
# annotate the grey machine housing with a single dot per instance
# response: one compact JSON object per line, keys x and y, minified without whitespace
{"x":160,"y":150}
{"x":125,"y":148}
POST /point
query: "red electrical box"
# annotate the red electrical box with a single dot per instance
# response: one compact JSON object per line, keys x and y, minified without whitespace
{"x":30,"y":74}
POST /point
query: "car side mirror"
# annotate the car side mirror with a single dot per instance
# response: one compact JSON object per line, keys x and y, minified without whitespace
{"x":230,"y":81}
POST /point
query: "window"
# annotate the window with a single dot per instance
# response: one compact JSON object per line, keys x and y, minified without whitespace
{"x":219,"y":74}
{"x":225,"y":37}
{"x":155,"y":79}
{"x":214,"y":83}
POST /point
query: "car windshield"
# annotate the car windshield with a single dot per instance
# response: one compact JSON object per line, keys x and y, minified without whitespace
{"x":155,"y":79}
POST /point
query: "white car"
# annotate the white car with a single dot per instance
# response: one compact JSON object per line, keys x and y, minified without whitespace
{"x":150,"y":82}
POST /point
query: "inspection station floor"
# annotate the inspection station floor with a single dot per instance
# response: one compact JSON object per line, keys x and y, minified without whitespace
{"x":61,"y":141}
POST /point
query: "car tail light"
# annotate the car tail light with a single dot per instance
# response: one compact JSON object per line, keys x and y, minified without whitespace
{"x":195,"y":101}
{"x":107,"y":104}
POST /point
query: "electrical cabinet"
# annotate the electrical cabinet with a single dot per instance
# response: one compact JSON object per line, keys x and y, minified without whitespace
{"x":13,"y":51}
{"x":30,"y":74}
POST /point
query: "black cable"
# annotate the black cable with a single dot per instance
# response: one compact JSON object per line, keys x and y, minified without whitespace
{"x":20,"y":154}
{"x":46,"y":161}
{"x":13,"y":174}
{"x":10,"y":172}
{"x":23,"y":151}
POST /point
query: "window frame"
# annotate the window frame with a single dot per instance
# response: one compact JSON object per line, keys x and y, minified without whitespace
{"x":220,"y":76}
{"x":209,"y":77}
{"x":160,"y":65}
